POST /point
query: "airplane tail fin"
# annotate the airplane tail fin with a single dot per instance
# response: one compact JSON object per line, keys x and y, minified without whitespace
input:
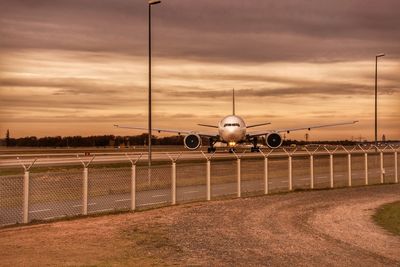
{"x":233,"y":101}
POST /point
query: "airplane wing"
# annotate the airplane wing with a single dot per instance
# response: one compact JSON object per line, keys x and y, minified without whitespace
{"x":256,"y":125}
{"x":167,"y":130}
{"x":207,"y":125}
{"x":258,"y":133}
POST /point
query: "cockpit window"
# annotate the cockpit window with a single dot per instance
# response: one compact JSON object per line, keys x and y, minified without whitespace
{"x":232,"y":124}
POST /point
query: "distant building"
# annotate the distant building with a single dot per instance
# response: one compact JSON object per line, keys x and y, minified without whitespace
{"x":383,"y":138}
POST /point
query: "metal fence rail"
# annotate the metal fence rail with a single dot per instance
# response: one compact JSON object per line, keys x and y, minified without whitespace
{"x":43,"y":191}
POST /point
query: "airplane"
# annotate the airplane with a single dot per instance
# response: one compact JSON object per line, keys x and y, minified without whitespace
{"x":232,"y":130}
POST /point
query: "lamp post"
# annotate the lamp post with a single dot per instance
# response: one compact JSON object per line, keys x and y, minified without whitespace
{"x":376,"y":97}
{"x":151,"y":3}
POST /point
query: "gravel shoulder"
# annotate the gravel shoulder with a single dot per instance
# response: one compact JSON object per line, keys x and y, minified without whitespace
{"x":325,"y":227}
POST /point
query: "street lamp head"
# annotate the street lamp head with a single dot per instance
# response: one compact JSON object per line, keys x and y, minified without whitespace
{"x":154,"y":2}
{"x":380,"y":55}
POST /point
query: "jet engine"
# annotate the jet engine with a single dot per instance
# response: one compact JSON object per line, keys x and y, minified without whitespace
{"x":273,"y":140}
{"x":192,"y":141}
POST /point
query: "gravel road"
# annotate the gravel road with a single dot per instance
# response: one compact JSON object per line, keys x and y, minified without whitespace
{"x":311,"y":228}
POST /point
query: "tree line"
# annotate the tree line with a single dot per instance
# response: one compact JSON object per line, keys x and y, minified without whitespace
{"x":127,"y":141}
{"x":89,"y":141}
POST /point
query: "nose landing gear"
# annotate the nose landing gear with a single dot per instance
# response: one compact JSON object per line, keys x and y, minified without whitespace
{"x":231,"y":150}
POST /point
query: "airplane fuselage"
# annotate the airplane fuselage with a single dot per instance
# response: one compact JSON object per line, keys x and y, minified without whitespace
{"x":232,"y":130}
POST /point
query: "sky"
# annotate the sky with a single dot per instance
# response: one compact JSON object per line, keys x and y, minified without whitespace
{"x":76,"y":67}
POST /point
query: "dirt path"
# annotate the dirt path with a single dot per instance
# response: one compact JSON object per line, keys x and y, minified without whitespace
{"x":332,"y":227}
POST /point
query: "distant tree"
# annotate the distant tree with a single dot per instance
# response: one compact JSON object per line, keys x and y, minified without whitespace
{"x":8,"y":137}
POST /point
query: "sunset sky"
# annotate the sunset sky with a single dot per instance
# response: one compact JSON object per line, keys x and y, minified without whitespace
{"x":76,"y":67}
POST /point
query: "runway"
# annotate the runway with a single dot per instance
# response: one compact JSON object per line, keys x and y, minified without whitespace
{"x":54,"y":159}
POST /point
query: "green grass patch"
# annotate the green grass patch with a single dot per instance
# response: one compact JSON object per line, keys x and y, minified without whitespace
{"x":388,"y":216}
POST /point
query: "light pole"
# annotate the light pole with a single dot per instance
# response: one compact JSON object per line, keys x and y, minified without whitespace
{"x":151,"y":2}
{"x":376,"y":97}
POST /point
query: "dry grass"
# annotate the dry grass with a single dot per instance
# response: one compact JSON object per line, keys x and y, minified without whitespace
{"x":306,"y":228}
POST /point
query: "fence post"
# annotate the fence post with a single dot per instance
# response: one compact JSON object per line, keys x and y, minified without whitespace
{"x":25,"y":207}
{"x":85,"y":191}
{"x":331,"y":168}
{"x":312,"y":171}
{"x":208,"y":180}
{"x":266,"y":189}
{"x":266,"y":182}
{"x":349,"y":172}
{"x":85,"y":184}
{"x":173,"y":177}
{"x":208,"y":175}
{"x":396,"y":178}
{"x":290,"y":153}
{"x":366,"y":167}
{"x":394,"y":149}
{"x":311,"y":153}
{"x":173,"y":184}
{"x":382,"y":169}
{"x":290,"y":173}
{"x":365,"y":163}
{"x":349,"y":168}
{"x":331,"y":164}
{"x":26,"y":198}
{"x":133,"y":187}
{"x":239,"y":191}
{"x":239,"y":173}
{"x":133,"y":180}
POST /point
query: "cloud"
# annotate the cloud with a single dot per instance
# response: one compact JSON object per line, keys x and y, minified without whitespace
{"x":234,"y":31}
{"x":75,"y":62}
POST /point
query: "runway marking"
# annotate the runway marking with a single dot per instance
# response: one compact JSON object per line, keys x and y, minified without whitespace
{"x":123,"y":200}
{"x":90,"y":204}
{"x":159,"y":196}
{"x":190,"y":192}
{"x":153,"y":203}
{"x":34,"y":211}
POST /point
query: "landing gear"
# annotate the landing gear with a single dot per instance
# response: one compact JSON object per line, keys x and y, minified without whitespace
{"x":232,"y":150}
{"x":211,"y":148}
{"x":255,"y":148}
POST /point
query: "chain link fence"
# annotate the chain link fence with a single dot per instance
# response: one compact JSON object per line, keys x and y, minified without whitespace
{"x":11,"y":199}
{"x":55,"y":194}
{"x":109,"y":189}
{"x":153,"y":186}
{"x":49,"y":192}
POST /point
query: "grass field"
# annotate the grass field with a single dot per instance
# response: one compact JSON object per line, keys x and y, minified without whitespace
{"x":388,"y":216}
